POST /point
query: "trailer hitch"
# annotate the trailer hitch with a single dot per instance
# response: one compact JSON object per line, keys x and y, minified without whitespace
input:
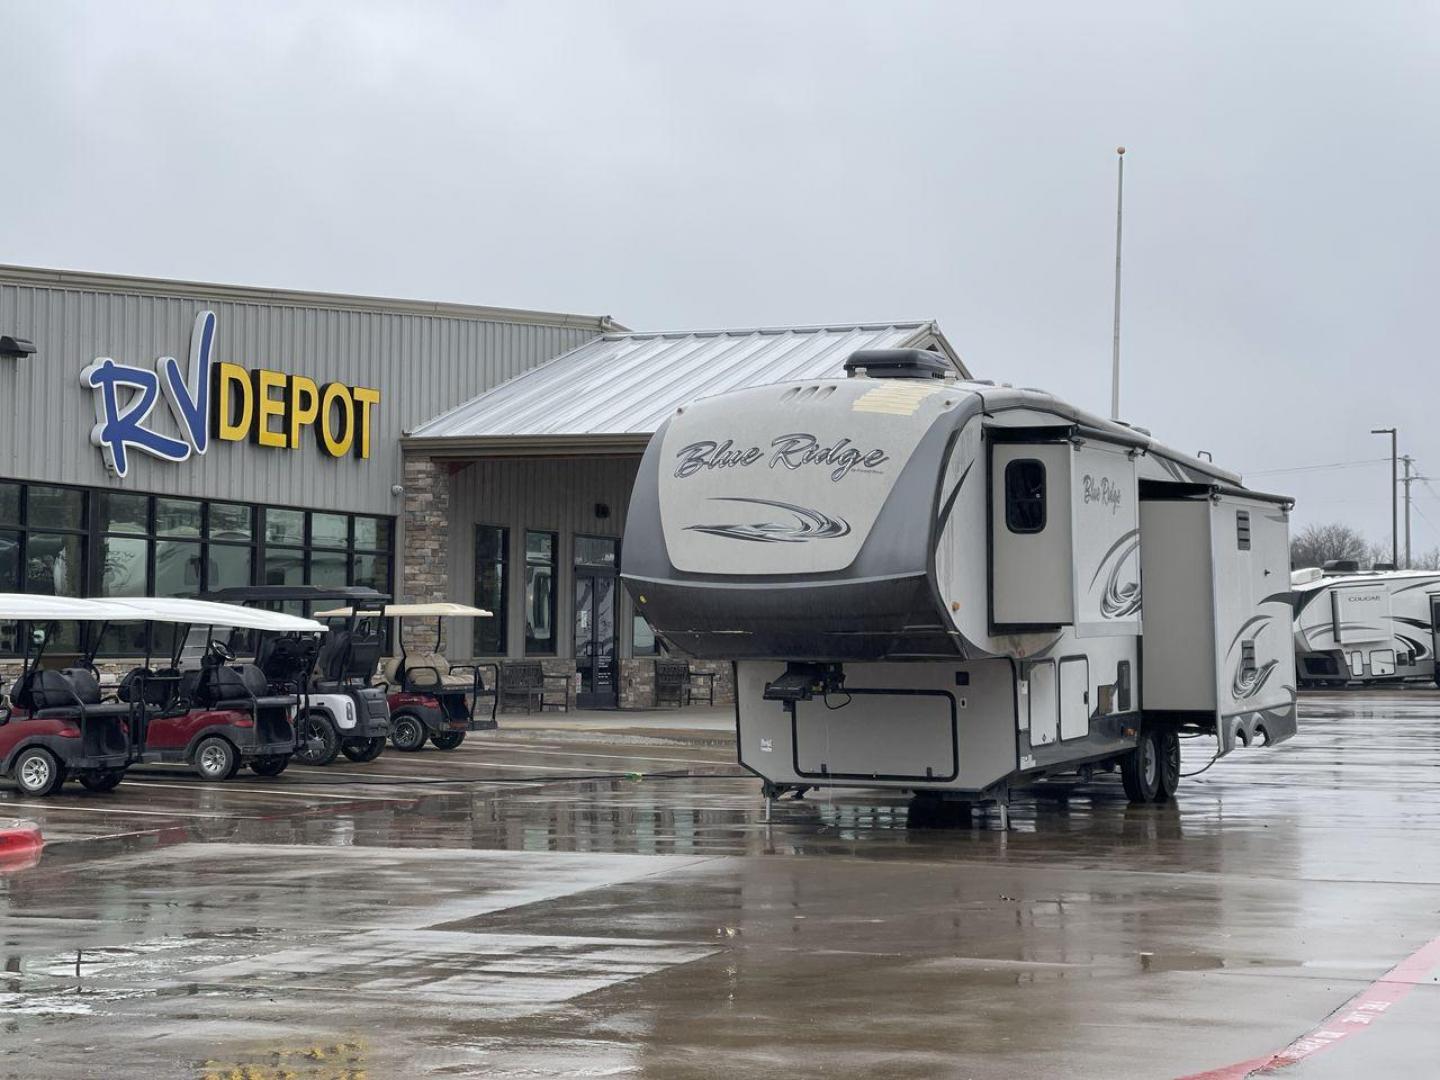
{"x":803,"y":681}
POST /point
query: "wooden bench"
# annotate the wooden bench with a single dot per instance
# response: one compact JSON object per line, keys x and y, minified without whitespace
{"x":526,"y":681}
{"x":674,"y":680}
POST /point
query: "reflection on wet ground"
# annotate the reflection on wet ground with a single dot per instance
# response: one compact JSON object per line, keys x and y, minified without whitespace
{"x":461,"y":914}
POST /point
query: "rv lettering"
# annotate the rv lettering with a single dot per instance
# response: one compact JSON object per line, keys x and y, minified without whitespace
{"x":793,"y":451}
{"x":710,"y":455}
{"x":1103,"y":491}
{"x":799,"y":449}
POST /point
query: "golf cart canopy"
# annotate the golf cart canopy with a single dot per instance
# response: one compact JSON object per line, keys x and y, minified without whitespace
{"x":207,"y":613}
{"x":29,"y":607}
{"x":409,"y":611}
{"x":359,"y":595}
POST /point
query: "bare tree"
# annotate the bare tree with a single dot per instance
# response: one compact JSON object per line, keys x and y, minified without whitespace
{"x":1426,"y":560}
{"x":1315,"y":545}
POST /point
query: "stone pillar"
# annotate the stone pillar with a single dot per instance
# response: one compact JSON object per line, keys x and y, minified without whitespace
{"x":425,"y":555}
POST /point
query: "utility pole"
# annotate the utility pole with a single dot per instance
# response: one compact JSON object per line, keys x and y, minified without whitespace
{"x":1407,"y":480}
{"x":1115,"y":355}
{"x":1394,"y":494}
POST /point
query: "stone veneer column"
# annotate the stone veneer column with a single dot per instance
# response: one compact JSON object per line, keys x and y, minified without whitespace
{"x":425,"y":556}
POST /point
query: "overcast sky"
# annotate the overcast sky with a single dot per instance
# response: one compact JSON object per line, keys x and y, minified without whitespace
{"x":686,"y":165}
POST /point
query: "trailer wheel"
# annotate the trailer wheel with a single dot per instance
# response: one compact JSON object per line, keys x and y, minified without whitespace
{"x":1168,"y":748}
{"x":38,"y":772}
{"x":408,"y":733}
{"x":447,"y":740}
{"x":102,"y":779}
{"x":215,"y":759}
{"x":362,"y":749}
{"x":318,"y":743}
{"x":270,"y":766}
{"x":1140,"y":770}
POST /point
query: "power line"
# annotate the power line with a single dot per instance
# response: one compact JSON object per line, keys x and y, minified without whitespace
{"x":1316,"y":468}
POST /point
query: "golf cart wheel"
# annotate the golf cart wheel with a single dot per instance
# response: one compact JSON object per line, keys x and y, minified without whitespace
{"x":273,"y":765}
{"x":362,"y":749}
{"x":408,"y":733}
{"x":215,"y":759}
{"x":447,"y":740}
{"x":102,"y":779}
{"x":38,"y":772}
{"x":318,"y":743}
{"x":1140,"y":769}
{"x":1168,"y":745}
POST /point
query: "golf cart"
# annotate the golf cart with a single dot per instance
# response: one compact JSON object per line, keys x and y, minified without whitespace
{"x":53,"y":725}
{"x":205,"y":709}
{"x":340,"y":711}
{"x":429,"y":697}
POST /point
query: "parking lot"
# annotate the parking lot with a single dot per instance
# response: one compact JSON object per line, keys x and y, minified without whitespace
{"x":482,"y":913}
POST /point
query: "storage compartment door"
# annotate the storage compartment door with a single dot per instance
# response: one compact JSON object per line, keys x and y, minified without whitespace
{"x":1177,"y":661}
{"x":1044,"y":704}
{"x":1074,"y":698}
{"x":1030,"y":559}
{"x":878,"y":735}
{"x":1105,"y":508}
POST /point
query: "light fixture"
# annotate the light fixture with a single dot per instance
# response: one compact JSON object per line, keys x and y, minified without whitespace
{"x":16,"y":348}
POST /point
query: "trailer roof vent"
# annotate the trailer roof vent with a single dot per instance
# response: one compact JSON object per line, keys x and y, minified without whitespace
{"x":1382,"y":566}
{"x":1342,"y":566}
{"x":897,"y":364}
{"x":1306,"y":575}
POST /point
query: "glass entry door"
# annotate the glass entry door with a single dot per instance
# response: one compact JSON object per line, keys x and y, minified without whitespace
{"x":596,"y":644}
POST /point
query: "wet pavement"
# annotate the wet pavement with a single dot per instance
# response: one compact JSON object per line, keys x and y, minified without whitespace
{"x":482,"y":913}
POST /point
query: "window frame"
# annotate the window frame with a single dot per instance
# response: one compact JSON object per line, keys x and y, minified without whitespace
{"x":532,"y":645}
{"x":500,"y":619}
{"x":1014,"y":502}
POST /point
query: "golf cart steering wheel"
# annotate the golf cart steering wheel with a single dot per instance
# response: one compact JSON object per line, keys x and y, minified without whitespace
{"x":220,"y":651}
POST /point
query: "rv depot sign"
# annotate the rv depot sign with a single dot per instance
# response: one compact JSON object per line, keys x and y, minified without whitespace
{"x":214,"y":400}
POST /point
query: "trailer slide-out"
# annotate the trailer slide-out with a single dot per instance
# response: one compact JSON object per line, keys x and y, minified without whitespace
{"x":935,"y":585}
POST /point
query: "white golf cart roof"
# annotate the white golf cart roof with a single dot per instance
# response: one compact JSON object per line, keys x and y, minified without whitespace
{"x":417,"y":611}
{"x":29,"y":607}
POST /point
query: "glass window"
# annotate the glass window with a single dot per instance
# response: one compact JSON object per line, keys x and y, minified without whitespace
{"x":230,"y":521}
{"x":9,"y":561}
{"x":124,"y":567}
{"x":124,"y":513}
{"x":54,"y":564}
{"x":371,"y":570}
{"x":177,"y":517}
{"x":328,"y":567}
{"x":228,"y":565}
{"x":1025,"y":496}
{"x":491,"y":550}
{"x":284,"y":567}
{"x":645,"y":641}
{"x":10,"y":504}
{"x":329,"y":530}
{"x":594,"y":551}
{"x":55,"y":508}
{"x":540,"y":592}
{"x":177,"y":568}
{"x":372,"y":534}
{"x":284,"y":527}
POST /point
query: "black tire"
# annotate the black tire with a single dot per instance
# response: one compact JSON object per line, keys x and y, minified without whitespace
{"x":1140,"y":770}
{"x":407,"y":732}
{"x":38,"y":773}
{"x":102,"y":779}
{"x":447,"y":740}
{"x":270,"y":766}
{"x":215,"y":759}
{"x":1167,"y":744}
{"x":317,"y":741}
{"x":363,"y":749}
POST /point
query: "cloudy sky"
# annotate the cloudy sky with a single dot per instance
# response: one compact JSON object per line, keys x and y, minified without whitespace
{"x":684,"y":165}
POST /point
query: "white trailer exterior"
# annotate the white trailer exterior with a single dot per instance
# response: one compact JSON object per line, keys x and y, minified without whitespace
{"x":1369,"y":627}
{"x":936,"y":585}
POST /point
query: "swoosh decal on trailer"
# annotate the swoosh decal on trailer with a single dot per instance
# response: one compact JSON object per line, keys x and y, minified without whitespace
{"x":809,"y":524}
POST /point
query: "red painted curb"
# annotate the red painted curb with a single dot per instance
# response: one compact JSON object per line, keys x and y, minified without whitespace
{"x":20,"y":844}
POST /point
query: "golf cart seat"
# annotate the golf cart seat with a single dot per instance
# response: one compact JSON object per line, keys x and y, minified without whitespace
{"x":47,"y":691}
{"x":238,"y":686}
{"x":155,"y":688}
{"x":346,"y":656}
{"x":286,"y":658}
{"x":426,"y":671}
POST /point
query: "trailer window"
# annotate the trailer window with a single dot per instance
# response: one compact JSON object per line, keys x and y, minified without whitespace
{"x":1025,"y":496}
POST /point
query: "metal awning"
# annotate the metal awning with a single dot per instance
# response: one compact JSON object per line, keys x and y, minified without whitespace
{"x":610,"y":395}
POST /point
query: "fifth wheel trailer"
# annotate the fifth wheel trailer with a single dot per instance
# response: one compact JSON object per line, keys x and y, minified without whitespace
{"x":935,"y":585}
{"x":1365,"y":626}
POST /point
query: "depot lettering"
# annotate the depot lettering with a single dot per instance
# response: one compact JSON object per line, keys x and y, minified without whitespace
{"x":214,"y":400}
{"x":271,"y":408}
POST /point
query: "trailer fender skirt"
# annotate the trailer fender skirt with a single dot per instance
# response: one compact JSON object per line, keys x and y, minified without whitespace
{"x":20,"y":844}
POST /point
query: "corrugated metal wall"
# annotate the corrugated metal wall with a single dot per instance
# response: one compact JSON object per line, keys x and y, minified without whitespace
{"x":422,"y":364}
{"x":555,"y":495}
